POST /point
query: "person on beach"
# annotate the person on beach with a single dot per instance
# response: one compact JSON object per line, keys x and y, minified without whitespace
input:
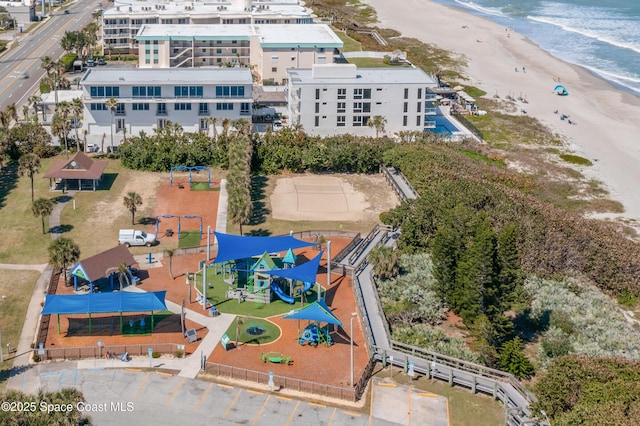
{"x":524,"y":69}
{"x":516,"y":69}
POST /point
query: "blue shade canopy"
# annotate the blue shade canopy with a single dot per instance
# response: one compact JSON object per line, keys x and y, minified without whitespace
{"x":317,"y":311}
{"x":306,"y":272}
{"x":92,"y":303}
{"x":232,"y":247}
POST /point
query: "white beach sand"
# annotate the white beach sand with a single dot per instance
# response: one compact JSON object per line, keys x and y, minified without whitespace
{"x":608,"y":120}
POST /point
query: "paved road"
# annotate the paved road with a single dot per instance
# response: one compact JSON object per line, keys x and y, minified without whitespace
{"x":31,"y":47}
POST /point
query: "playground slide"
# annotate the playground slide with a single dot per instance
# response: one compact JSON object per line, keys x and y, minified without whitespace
{"x":281,"y":294}
{"x":307,"y":287}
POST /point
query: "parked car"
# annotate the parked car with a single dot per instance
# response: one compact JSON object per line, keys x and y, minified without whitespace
{"x":112,"y":149}
{"x":101,"y":61}
{"x":66,"y":11}
{"x":277,"y":125}
{"x":92,"y":147}
{"x":91,"y":63}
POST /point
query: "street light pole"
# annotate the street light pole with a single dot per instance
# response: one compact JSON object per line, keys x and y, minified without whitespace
{"x":353,"y":315}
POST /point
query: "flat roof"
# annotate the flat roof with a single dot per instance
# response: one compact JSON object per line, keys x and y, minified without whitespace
{"x":303,"y":76}
{"x":211,"y":75}
{"x":213,"y":8}
{"x":284,"y":35}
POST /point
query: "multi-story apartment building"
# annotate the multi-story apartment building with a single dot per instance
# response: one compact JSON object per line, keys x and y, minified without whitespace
{"x":269,"y":49}
{"x":149,"y":98}
{"x":121,"y":23}
{"x":335,"y":99}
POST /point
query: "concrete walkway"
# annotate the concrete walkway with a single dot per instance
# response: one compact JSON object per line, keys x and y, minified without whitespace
{"x":23,"y":267}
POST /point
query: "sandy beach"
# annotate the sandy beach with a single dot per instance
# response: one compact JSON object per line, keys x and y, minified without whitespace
{"x":606,"y":127}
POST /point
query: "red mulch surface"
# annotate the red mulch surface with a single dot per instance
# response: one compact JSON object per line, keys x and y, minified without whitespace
{"x":178,"y":201}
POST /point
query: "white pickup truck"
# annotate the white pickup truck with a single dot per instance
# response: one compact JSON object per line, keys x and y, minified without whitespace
{"x":134,"y":237}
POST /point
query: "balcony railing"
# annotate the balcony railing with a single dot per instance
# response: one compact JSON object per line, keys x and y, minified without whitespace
{"x":430,"y":111}
{"x":429,"y":124}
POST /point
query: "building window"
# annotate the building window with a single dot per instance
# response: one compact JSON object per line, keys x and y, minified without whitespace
{"x":342,"y":93}
{"x":224,"y":107}
{"x":162,"y":123}
{"x":98,"y":107}
{"x":418,"y":121}
{"x":274,"y":69}
{"x":188,"y":91}
{"x":418,"y":107}
{"x":146,"y":91}
{"x":341,"y":121}
{"x":420,"y":93}
{"x":360,"y":120}
{"x":219,"y":51}
{"x":140,"y":107}
{"x":203,"y":109}
{"x":317,"y":107}
{"x":317,"y":93}
{"x":229,"y":91}
{"x":120,"y":110}
{"x":361,"y":107}
{"x":342,"y":107}
{"x":274,"y":59}
{"x":245,"y":108}
{"x":361,"y":93}
{"x":104,"y":91}
{"x":406,"y":107}
{"x":204,"y":124}
{"x":161,"y":109}
{"x":404,"y":120}
{"x":317,"y":121}
{"x":406,"y":93}
{"x":182,"y":106}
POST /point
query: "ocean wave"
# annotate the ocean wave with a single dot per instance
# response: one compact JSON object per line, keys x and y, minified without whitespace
{"x":564,"y":24}
{"x":492,"y":11}
{"x":626,"y":82}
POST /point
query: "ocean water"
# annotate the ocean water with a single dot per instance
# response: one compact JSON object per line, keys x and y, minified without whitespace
{"x":602,"y":36}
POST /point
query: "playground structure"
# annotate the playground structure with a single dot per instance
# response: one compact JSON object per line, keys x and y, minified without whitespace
{"x":313,"y":334}
{"x":276,"y":358}
{"x":179,"y":217}
{"x":190,"y":169}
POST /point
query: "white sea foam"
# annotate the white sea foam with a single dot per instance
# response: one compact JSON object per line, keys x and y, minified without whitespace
{"x":493,"y":11}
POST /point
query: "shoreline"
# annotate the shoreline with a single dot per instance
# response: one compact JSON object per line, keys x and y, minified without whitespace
{"x":605,"y":115}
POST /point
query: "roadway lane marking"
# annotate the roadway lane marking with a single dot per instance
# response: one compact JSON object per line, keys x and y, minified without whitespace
{"x":201,"y":400}
{"x":292,"y":414}
{"x":174,"y":391}
{"x":331,"y":418}
{"x":264,"y":404}
{"x":141,"y":386}
{"x":226,"y":413}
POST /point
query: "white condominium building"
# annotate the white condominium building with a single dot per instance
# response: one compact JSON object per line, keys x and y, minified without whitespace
{"x":149,"y":98}
{"x":121,"y":22}
{"x":269,"y":49}
{"x":335,"y":99}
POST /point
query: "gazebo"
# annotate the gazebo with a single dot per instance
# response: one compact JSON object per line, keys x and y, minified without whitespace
{"x":79,"y":172}
{"x":101,"y":265}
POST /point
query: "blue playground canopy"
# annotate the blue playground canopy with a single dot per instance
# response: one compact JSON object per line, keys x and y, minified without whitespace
{"x":306,"y":272}
{"x":317,"y":311}
{"x":232,"y":247}
{"x":94,"y":303}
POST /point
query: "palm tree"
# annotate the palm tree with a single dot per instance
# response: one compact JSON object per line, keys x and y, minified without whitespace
{"x":377,"y":122}
{"x":213,"y":122}
{"x":132,"y":201}
{"x":239,"y":322}
{"x":29,"y":164}
{"x":124,"y":274}
{"x":77,"y":107}
{"x":42,"y":207}
{"x":112,"y":104}
{"x":46,"y":63}
{"x":36,"y":101}
{"x":62,"y":253}
{"x":5,"y":119}
{"x":170,"y":256}
{"x":12,"y":110}
{"x":386,"y":261}
{"x":62,"y":124}
{"x":25,"y":112}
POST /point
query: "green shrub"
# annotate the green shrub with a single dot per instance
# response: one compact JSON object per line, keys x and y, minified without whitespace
{"x":155,"y":355}
{"x":576,"y":159}
{"x":178,"y":354}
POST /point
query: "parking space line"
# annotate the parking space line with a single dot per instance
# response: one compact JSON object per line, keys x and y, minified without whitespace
{"x":331,"y":418}
{"x":388,"y":385}
{"x":430,"y":395}
{"x":226,"y":413}
{"x":317,"y":405}
{"x":351,"y":413}
{"x":220,"y":385}
{"x":146,"y":377}
{"x":292,"y":413}
{"x":175,"y":391}
{"x":204,"y":395}
{"x":371,"y":406}
{"x":162,"y":373}
{"x":137,"y":370}
{"x":255,"y":392}
{"x":409,"y":392}
{"x":448,"y":416}
{"x":255,"y":419}
{"x":284,"y":398}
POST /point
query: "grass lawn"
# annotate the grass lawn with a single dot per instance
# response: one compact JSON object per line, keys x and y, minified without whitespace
{"x":203,"y":186}
{"x":350,"y":45}
{"x":18,"y":287}
{"x":253,"y":331}
{"x":189,"y":239}
{"x":216,"y":294}
{"x":465,"y":408}
{"x":371,"y":63}
{"x":22,"y":239}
